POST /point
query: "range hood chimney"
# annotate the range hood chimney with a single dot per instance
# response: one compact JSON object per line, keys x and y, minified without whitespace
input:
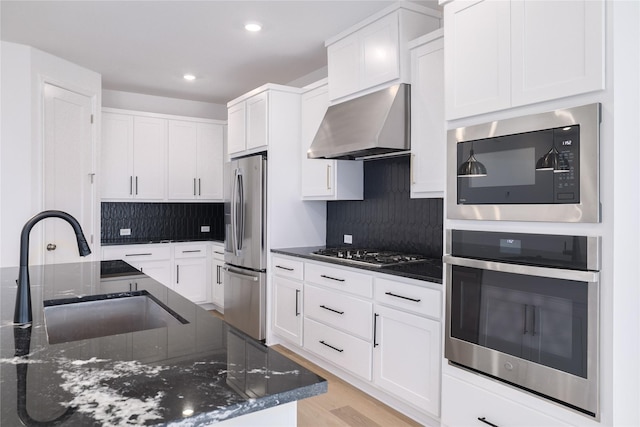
{"x":371,"y":125}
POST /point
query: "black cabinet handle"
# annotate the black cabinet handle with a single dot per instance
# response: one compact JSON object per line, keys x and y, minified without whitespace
{"x":191,"y":251}
{"x":147,"y":254}
{"x":297,"y":309}
{"x":332,"y":278}
{"x":400,"y":296}
{"x":375,"y":327}
{"x":177,"y":274}
{"x":218,"y":275}
{"x":284,"y":268}
{"x":332,"y":347}
{"x":484,"y":420}
{"x":331,"y":309}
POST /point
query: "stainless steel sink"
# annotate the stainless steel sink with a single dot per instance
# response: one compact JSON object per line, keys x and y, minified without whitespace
{"x":103,"y":315}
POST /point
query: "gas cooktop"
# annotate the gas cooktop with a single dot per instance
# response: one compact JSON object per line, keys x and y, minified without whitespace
{"x":368,"y":257}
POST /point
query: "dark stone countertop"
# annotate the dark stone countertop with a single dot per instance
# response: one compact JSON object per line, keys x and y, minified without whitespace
{"x":429,"y":270}
{"x":135,"y":241}
{"x":149,"y":377}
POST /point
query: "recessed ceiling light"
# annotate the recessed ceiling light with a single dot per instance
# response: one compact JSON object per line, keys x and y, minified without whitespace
{"x":189,"y":77}
{"x":253,"y":27}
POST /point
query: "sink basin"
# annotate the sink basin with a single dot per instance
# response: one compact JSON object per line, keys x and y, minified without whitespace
{"x":103,"y":315}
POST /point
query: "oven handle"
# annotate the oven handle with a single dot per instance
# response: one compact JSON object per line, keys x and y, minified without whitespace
{"x":554,"y":273}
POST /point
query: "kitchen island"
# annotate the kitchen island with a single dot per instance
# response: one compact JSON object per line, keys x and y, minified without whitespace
{"x":193,"y":370}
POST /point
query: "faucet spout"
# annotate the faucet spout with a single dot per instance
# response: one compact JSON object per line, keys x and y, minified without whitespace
{"x":23,"y":313}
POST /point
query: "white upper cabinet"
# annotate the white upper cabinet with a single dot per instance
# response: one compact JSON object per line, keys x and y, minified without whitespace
{"x":374,"y":52}
{"x":428,"y":134}
{"x":195,"y":160}
{"x":152,"y":157}
{"x":236,"y":120}
{"x":325,"y":179}
{"x":133,"y":157}
{"x":251,"y":118}
{"x":503,"y":54}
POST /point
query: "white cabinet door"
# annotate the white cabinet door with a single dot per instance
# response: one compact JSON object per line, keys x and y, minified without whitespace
{"x":210,"y":161}
{"x":117,"y":156}
{"x":157,"y":270}
{"x":428,"y":135}
{"x":407,"y":357}
{"x":257,"y":121}
{"x":190,"y":279}
{"x":287,"y":309}
{"x":477,"y":42}
{"x":183,"y":139}
{"x":557,"y":49}
{"x":344,"y":66}
{"x":236,"y":128}
{"x":380,"y":52}
{"x":324,"y":179}
{"x":149,"y":157}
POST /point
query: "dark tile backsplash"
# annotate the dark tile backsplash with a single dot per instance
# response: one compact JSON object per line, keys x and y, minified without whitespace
{"x":388,"y":218}
{"x":161,"y":221}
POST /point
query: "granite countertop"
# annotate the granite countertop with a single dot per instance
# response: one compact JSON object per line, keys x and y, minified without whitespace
{"x":193,"y":373}
{"x":429,"y":270}
{"x":136,"y":241}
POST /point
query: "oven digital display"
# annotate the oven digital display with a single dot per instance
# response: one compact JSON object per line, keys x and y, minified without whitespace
{"x":510,"y":246}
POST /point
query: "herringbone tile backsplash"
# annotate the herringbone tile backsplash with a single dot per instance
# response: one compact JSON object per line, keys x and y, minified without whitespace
{"x":388,"y":218}
{"x":161,"y":221}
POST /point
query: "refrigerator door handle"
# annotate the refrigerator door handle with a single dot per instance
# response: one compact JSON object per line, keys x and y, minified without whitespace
{"x":240,"y":275}
{"x":234,"y":213}
{"x":242,"y":212}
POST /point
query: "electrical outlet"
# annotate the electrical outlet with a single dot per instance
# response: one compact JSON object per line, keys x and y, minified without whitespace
{"x":348,"y":238}
{"x":205,"y":228}
{"x":125,"y":232}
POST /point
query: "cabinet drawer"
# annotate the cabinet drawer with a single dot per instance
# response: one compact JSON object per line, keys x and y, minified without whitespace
{"x":287,"y":267}
{"x":217,"y":251}
{"x":136,"y":253}
{"x":417,"y":299}
{"x":482,"y":404}
{"x":344,"y":350}
{"x":350,"y":314}
{"x":195,"y":250}
{"x":338,"y":278}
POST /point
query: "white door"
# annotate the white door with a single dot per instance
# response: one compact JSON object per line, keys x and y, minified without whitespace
{"x":68,"y":172}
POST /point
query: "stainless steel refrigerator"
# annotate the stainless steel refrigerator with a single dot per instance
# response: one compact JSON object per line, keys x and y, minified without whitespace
{"x":245,"y":255}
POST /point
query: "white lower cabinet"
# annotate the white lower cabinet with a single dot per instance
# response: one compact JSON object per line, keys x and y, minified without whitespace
{"x":384,"y":330}
{"x":407,"y":357}
{"x":183,"y":267}
{"x":154,"y":260}
{"x":287,"y":298}
{"x":217,"y":277}
{"x":482,"y":407}
{"x":190,"y":271}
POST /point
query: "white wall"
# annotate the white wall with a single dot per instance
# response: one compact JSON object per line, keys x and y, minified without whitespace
{"x":312,"y":77}
{"x":162,"y":105}
{"x":24,"y":72}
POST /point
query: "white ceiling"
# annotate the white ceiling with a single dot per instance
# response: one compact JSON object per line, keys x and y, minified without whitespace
{"x":147,"y":46}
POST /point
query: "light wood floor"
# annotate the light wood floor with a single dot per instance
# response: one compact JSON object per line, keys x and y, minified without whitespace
{"x":343,"y":405}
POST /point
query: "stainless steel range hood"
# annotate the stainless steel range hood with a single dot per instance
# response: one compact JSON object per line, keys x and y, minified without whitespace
{"x":371,"y":125}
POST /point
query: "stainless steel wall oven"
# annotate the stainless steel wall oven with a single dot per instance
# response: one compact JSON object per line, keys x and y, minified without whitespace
{"x":541,"y":167}
{"x":524,"y":309}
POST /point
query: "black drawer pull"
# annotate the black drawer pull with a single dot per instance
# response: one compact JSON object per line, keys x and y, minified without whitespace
{"x":331,"y":278}
{"x":484,"y":420}
{"x":332,"y":347}
{"x":191,"y":251}
{"x":400,"y":296}
{"x":284,"y":268}
{"x":138,"y":254}
{"x":331,"y":309}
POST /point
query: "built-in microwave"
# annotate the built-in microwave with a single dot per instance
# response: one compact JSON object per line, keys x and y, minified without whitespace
{"x":541,"y":167}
